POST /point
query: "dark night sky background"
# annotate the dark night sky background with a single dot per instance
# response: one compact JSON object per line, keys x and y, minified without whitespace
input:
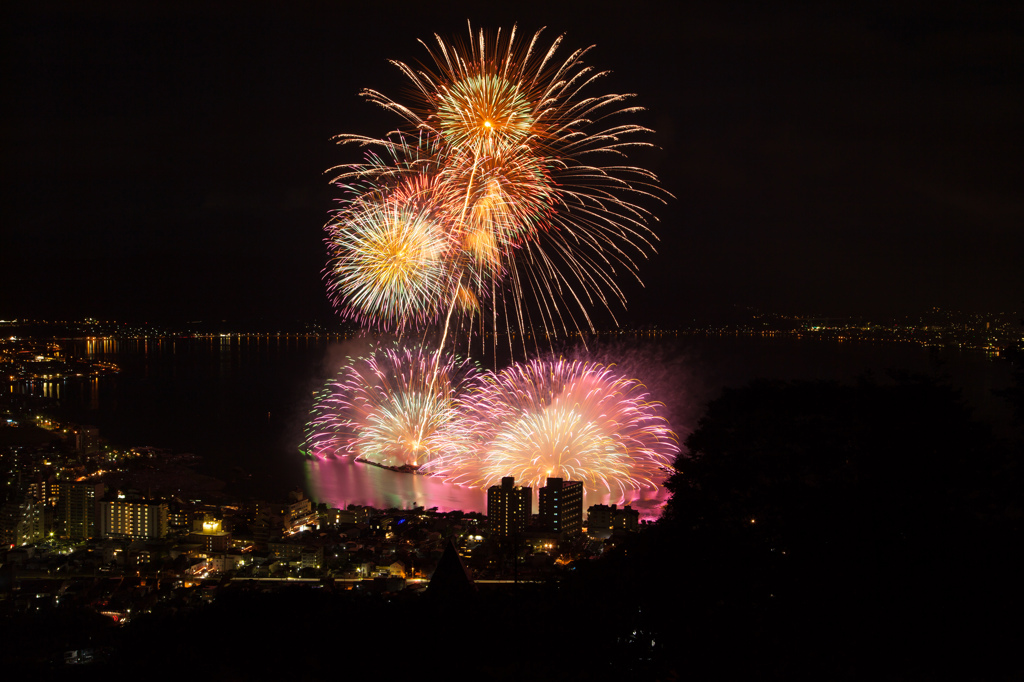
{"x":165,"y":160}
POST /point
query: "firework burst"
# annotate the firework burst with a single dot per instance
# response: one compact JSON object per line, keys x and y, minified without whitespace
{"x":556,"y":418}
{"x":517,"y":150}
{"x":395,"y":407}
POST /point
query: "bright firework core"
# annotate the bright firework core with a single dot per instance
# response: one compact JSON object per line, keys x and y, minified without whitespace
{"x":486,"y":114}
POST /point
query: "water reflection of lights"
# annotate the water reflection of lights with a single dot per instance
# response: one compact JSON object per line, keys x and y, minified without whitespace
{"x":344,"y":481}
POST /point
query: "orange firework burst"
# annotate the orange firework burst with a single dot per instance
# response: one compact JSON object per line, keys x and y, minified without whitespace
{"x":517,"y":149}
{"x":390,"y":257}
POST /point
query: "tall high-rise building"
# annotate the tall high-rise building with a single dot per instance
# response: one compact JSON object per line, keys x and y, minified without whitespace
{"x":509,"y":507}
{"x":561,"y":506}
{"x":135,"y":519}
{"x":77,"y":504}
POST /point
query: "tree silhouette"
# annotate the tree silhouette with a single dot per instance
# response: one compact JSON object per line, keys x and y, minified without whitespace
{"x":829,"y":525}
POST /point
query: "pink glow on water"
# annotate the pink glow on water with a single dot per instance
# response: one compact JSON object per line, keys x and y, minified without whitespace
{"x":343,"y":481}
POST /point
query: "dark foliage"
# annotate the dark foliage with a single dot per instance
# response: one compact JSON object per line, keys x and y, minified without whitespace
{"x":842,"y":531}
{"x":1014,"y":393}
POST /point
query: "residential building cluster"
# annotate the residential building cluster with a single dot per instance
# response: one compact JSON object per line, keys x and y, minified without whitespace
{"x":67,"y":521}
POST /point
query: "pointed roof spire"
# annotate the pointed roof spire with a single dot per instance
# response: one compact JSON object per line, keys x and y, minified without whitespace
{"x":451,"y":579}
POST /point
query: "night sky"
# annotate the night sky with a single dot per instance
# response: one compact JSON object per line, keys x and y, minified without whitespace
{"x":166,"y":160}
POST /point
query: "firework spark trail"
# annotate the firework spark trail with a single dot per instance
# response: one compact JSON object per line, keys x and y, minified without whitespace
{"x":514,"y":145}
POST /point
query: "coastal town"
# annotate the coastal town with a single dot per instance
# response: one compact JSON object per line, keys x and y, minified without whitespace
{"x":129,"y":532}
{"x":109,"y":552}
